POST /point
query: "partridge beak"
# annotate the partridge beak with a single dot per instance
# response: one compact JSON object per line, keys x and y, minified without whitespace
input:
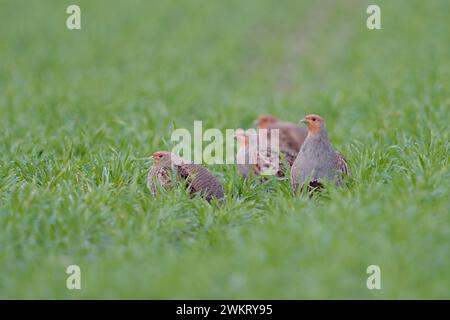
{"x":304,"y":120}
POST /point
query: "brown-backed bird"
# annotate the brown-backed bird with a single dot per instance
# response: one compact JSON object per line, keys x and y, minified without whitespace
{"x":291,"y":135}
{"x":198,"y":179}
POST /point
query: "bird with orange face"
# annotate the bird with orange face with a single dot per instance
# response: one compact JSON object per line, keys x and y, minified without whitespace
{"x":198,"y":180}
{"x":317,"y":161}
{"x":291,"y":136}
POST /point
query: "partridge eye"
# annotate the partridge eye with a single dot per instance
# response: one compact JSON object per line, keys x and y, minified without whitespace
{"x":313,"y":119}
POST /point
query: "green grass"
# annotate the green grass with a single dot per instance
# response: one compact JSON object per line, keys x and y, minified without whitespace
{"x":80,"y":109}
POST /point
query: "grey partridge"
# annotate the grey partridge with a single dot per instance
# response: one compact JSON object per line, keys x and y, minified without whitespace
{"x":317,"y":161}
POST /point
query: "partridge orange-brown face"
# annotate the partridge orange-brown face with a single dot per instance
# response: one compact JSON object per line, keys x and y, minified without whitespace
{"x":265,"y":121}
{"x":161,"y":156}
{"x":314,"y":123}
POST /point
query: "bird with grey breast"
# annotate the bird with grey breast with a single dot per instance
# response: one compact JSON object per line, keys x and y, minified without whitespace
{"x":168,"y":167}
{"x":317,"y":161}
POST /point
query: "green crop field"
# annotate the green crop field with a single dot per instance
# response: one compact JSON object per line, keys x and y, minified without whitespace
{"x":82,"y":110}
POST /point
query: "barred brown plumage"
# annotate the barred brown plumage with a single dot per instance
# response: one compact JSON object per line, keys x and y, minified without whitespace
{"x":201,"y":180}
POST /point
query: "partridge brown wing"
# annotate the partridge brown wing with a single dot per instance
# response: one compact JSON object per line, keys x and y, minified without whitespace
{"x":200,"y":180}
{"x":291,"y":137}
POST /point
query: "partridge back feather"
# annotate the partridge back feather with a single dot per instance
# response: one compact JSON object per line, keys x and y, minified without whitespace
{"x":291,"y":136}
{"x":200,"y":180}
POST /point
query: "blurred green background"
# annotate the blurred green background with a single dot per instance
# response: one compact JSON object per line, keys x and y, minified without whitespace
{"x":79,"y":110}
